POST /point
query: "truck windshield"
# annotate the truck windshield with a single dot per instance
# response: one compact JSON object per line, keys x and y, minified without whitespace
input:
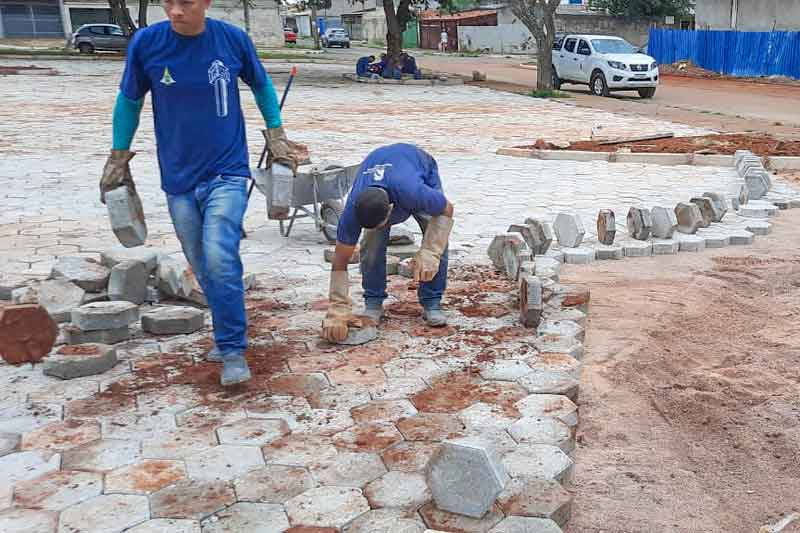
{"x":613,"y":46}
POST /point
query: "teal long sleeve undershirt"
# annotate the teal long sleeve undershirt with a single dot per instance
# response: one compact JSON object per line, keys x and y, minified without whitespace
{"x":267,"y":101}
{"x":125,"y":121}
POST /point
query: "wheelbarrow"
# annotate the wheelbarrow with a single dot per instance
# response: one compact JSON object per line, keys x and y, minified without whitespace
{"x":317,"y":192}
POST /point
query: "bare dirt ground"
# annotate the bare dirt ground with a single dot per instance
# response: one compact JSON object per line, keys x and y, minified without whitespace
{"x":690,"y":398}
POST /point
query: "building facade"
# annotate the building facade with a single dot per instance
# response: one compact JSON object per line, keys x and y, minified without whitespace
{"x":748,"y":15}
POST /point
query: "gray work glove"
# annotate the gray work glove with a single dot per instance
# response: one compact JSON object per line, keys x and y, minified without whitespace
{"x":282,"y":150}
{"x":116,"y":172}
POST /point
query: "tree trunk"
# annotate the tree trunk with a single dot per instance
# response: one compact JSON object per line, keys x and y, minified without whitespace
{"x":121,"y":15}
{"x":314,"y":27}
{"x":143,"y":13}
{"x":544,"y":67}
{"x":246,"y":12}
{"x":394,"y":35}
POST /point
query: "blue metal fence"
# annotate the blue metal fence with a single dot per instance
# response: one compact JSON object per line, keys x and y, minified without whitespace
{"x":736,"y":53}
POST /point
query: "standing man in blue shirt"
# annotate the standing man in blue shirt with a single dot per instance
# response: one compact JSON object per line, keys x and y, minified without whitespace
{"x":394,"y":182}
{"x":190,"y":64}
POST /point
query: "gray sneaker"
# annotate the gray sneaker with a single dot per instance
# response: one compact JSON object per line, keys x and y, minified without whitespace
{"x":234,"y":370}
{"x":374,"y":313}
{"x":434,"y":317}
{"x":214,"y":356}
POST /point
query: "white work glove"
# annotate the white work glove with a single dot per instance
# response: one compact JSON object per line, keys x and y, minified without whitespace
{"x":426,"y":261}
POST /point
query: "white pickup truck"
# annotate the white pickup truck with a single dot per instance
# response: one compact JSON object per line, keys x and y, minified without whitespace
{"x":603,"y":63}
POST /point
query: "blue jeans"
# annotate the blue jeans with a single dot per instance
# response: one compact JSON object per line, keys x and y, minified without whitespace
{"x":208,"y":222}
{"x":373,"y":270}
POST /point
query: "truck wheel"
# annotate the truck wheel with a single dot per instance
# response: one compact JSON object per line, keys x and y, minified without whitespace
{"x":647,"y":92}
{"x":556,"y":80}
{"x":598,"y":85}
{"x":85,"y":48}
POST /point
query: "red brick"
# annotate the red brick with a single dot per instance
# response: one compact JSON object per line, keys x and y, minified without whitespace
{"x":27,"y":333}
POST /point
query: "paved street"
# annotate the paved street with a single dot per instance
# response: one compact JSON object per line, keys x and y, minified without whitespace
{"x":322,"y":436}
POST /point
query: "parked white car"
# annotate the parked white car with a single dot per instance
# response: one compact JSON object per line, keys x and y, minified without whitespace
{"x":603,"y":63}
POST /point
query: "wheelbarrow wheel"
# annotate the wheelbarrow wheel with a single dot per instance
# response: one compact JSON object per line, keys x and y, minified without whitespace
{"x":330,"y":213}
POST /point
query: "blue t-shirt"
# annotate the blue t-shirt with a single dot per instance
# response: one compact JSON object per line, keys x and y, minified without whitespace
{"x":199,"y":125}
{"x":408,"y":174}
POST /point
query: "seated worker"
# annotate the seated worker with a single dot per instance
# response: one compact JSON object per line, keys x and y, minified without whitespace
{"x":409,"y":63}
{"x":362,"y":66}
{"x":393,"y":183}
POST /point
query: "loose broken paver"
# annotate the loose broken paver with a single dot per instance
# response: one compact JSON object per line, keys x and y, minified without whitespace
{"x":82,"y":360}
{"x":118,"y":254}
{"x":465,"y":477}
{"x":536,"y":498}
{"x":526,"y":524}
{"x":27,"y":333}
{"x":664,"y":221}
{"x":388,"y":520}
{"x":689,"y":218}
{"x":252,"y":432}
{"x":191,"y":499}
{"x":539,"y":236}
{"x":540,"y":381}
{"x":108,"y":512}
{"x":606,"y":226}
{"x":248,"y":516}
{"x":128,"y":282}
{"x":326,"y":507}
{"x":145,"y":477}
{"x":543,"y":430}
{"x":105,"y":315}
{"x":720,"y":204}
{"x":101,"y":455}
{"x":223,"y":462}
{"x":59,"y":297}
{"x":707,"y":211}
{"x":83,"y":272}
{"x":568,"y":229}
{"x":539,"y":461}
{"x":348,"y":469}
{"x":639,"y":223}
{"x":58,"y":490}
{"x":497,"y":249}
{"x":273,"y":484}
{"x":554,"y":405}
{"x":440,"y":520}
{"x":530,"y":301}
{"x":173,"y":320}
{"x":400,"y":490}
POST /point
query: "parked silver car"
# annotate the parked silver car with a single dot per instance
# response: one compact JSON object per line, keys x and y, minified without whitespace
{"x":335,"y":37}
{"x":92,"y":37}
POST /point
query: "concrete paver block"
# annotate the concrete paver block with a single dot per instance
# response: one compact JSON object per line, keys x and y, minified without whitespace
{"x":540,"y":237}
{"x":547,"y":267}
{"x":177,"y":280}
{"x":665,"y":223}
{"x":530,"y":301}
{"x":559,"y":344}
{"x":543,"y":430}
{"x":383,"y":411}
{"x":191,"y":499}
{"x":167,"y":525}
{"x":568,"y":229}
{"x":579,"y":256}
{"x":405,"y":268}
{"x":410,"y":456}
{"x":542,"y":405}
{"x":550,"y":382}
{"x":639,"y":223}
{"x":25,"y":465}
{"x":482,"y":418}
{"x":82,"y":360}
{"x":720,"y":204}
{"x":273,"y":484}
{"x":252,"y":432}
{"x":173,"y":320}
{"x":690,"y":243}
{"x":604,"y":252}
{"x":556,"y":362}
{"x":758,"y":227}
{"x":102,"y":456}
{"x":145,"y":477}
{"x":400,"y":236}
{"x":738,"y":237}
{"x":637,"y":248}
{"x":128,"y":282}
{"x":526,"y":524}
{"x":714,"y":239}
{"x":9,"y":442}
{"x":562,"y":328}
{"x":58,"y":490}
{"x":83,"y":272}
{"x":539,"y":461}
{"x":498,"y":245}
{"x":757,"y":182}
{"x":430,"y":427}
{"x":75,"y":335}
{"x":744,"y":195}
{"x":392,"y":265}
{"x":326,"y":507}
{"x":108,"y":512}
{"x":394,"y":520}
{"x":576,"y":315}
{"x":536,"y":498}
{"x":465,"y":477}
{"x":28,"y":520}
{"x":126,"y":216}
{"x":440,"y":520}
{"x":400,"y":490}
{"x":665,"y":246}
{"x":27,"y":333}
{"x":299,"y":450}
{"x":689,"y":218}
{"x":118,"y":254}
{"x":359,"y":336}
{"x":248,"y":516}
{"x":606,"y":226}
{"x":105,"y":315}
{"x":59,"y":297}
{"x":504,"y":369}
{"x":348,"y":469}
{"x":223,"y":462}
{"x":758,"y":209}
{"x":707,"y":210}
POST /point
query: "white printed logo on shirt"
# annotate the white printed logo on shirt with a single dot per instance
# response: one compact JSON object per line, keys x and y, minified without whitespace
{"x":219,"y":76}
{"x":377,"y":171}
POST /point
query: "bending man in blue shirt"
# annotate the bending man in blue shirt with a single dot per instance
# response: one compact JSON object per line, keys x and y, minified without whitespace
{"x":190,"y":64}
{"x":394,"y":182}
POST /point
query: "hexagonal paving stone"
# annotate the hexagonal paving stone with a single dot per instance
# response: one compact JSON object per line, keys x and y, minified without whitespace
{"x":27,"y":417}
{"x":176,"y":399}
{"x":179,"y":444}
{"x":288,"y":408}
{"x":543,"y":405}
{"x":409,"y":456}
{"x":6,"y":493}
{"x":299,"y":450}
{"x":357,"y":374}
{"x":137,"y":426}
{"x":340,"y":397}
{"x":223,"y":462}
{"x":298,"y":384}
{"x":28,"y":520}
{"x":250,"y":517}
{"x":61,"y":436}
{"x":109,"y":512}
{"x":9,"y":442}
{"x":102,"y":455}
{"x":431,"y":427}
{"x":252,"y":432}
{"x":386,"y":520}
{"x":368,"y":437}
{"x":397,"y":388}
{"x":539,"y":461}
{"x":525,"y":524}
{"x":273,"y":484}
{"x":536,"y":498}
{"x":167,"y":525}
{"x":413,"y":368}
{"x":551,"y":382}
{"x":145,"y":477}
{"x":326,"y":507}
{"x":444,"y":521}
{"x":543,"y":430}
{"x":21,"y":466}
{"x":400,"y":490}
{"x":383,"y":411}
{"x":348,"y":469}
{"x":58,"y":490}
{"x":325,"y":422}
{"x":191,"y":499}
{"x":504,"y":369}
{"x":483,"y":417}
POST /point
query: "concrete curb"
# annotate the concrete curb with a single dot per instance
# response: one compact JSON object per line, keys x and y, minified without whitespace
{"x":452,"y":80}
